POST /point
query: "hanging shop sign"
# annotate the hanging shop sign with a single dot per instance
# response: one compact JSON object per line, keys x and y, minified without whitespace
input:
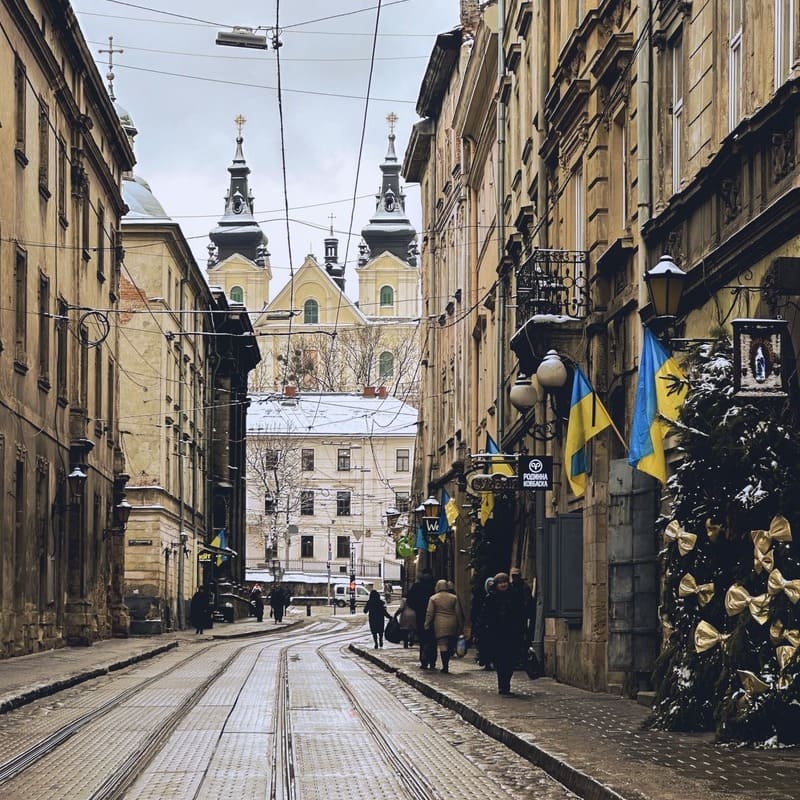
{"x":535,"y":472}
{"x":481,"y":482}
{"x":759,"y":357}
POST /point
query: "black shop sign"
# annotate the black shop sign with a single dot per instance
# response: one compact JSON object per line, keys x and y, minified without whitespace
{"x":535,"y":472}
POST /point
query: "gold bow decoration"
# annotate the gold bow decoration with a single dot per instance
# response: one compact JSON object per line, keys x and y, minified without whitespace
{"x":777,"y":584}
{"x":763,"y":560}
{"x":737,"y":599}
{"x":689,"y":586}
{"x":675,"y":533}
{"x":785,"y":654}
{"x":712,"y":530}
{"x":707,"y":636}
{"x":779,"y":531}
{"x":778,"y":633}
{"x":751,"y":683}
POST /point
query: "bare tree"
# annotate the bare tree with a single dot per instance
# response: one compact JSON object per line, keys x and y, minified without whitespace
{"x":273,"y":464}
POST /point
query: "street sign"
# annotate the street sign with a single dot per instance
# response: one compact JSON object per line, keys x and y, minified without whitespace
{"x":535,"y":472}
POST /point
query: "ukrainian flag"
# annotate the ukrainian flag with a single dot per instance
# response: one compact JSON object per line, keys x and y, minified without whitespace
{"x":587,"y":418}
{"x":659,"y":394}
{"x":220,"y":541}
{"x":498,"y":466}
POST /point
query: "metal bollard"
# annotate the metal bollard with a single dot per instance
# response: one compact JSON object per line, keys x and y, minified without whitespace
{"x":308,"y":609}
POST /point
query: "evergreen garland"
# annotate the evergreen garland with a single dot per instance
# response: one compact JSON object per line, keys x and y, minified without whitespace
{"x":740,"y":472}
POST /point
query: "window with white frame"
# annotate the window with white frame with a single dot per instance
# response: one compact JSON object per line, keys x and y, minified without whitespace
{"x":735,"y":64}
{"x":307,"y":502}
{"x":676,"y":104}
{"x":403,"y":457}
{"x":342,"y":504}
{"x":784,"y":40}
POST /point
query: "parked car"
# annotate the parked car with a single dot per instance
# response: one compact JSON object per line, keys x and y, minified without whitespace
{"x":341,"y":595}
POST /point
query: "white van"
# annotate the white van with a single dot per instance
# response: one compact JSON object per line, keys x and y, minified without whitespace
{"x":341,"y":595}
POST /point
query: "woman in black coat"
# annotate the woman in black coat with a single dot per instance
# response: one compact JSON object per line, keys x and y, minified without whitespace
{"x":198,"y":610}
{"x":503,"y":614}
{"x":376,"y":609}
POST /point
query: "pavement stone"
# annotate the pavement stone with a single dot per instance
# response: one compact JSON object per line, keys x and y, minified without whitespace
{"x":593,"y":743}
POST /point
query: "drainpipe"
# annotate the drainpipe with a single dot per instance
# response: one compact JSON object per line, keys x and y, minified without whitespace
{"x":644,"y":93}
{"x":500,"y":226}
{"x":182,"y":537}
{"x":540,"y":516}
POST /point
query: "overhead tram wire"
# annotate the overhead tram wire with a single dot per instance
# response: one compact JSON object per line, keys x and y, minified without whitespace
{"x":358,"y":167}
{"x":285,"y":193}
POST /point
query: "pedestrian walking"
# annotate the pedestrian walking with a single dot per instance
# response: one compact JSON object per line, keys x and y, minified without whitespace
{"x":480,"y":632}
{"x":278,"y":602}
{"x":198,"y":609}
{"x":376,"y":608}
{"x":520,"y":587}
{"x":418,"y":596}
{"x":257,"y":602}
{"x":503,"y":618}
{"x":407,"y":619}
{"x":445,"y":620}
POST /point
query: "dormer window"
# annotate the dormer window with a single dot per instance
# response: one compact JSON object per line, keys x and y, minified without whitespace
{"x":387,"y":296}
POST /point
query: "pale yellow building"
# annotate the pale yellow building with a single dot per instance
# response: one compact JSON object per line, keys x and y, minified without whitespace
{"x":62,"y":472}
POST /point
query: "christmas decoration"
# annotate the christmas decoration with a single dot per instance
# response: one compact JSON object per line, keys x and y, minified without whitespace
{"x":731,"y":600}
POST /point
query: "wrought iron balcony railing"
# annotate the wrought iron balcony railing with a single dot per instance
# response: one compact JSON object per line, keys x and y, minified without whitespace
{"x":553,"y":282}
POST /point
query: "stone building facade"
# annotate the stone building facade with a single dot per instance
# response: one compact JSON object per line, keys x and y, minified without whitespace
{"x":624,"y":131}
{"x":62,"y":156}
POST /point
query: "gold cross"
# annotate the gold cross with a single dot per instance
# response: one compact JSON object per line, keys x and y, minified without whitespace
{"x":391,"y":118}
{"x":240,"y":121}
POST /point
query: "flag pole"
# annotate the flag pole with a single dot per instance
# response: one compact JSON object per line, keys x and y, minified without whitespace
{"x":616,"y":430}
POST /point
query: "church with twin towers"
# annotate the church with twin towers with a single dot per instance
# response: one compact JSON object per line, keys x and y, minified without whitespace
{"x":317,"y":333}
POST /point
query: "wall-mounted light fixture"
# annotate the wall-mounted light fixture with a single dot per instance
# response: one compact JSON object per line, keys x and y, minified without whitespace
{"x":551,"y":376}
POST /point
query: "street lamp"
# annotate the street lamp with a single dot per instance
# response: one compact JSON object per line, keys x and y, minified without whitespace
{"x":392,"y":515}
{"x":241,"y":36}
{"x":665,"y":282}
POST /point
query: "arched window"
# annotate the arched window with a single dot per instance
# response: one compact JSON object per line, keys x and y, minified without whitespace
{"x":311,"y":312}
{"x":387,"y":296}
{"x":385,"y":364}
{"x":237,"y":294}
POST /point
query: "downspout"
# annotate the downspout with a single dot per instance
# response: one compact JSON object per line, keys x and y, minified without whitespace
{"x":540,"y":516}
{"x":644,"y":93}
{"x":500,"y":226}
{"x":182,"y":536}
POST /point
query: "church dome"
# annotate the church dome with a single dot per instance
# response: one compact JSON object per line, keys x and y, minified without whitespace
{"x":140,"y":200}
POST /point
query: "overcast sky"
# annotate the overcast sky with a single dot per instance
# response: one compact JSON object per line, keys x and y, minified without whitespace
{"x":184,"y":93}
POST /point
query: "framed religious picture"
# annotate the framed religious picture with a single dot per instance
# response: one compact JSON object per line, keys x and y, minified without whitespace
{"x":759,"y":357}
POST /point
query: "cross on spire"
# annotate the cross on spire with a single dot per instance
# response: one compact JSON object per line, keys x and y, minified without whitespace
{"x":240,"y":121}
{"x":391,"y":118}
{"x":332,"y":217}
{"x":110,"y":74}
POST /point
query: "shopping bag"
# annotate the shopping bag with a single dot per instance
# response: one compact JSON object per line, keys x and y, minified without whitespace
{"x":462,"y":645}
{"x":533,"y":667}
{"x":393,"y":633}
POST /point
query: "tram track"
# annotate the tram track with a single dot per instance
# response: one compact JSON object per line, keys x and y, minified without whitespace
{"x":119,"y":780}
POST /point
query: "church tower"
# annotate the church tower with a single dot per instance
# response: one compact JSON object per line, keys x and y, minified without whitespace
{"x":389,"y":229}
{"x":238,"y":259}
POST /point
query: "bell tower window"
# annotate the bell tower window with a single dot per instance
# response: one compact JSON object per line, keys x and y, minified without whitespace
{"x":387,"y":296}
{"x":237,"y":294}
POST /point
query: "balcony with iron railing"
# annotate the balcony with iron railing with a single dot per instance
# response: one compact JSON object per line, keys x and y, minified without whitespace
{"x":551,"y":285}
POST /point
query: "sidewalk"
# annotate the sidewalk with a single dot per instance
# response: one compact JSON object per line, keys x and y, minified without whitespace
{"x":594,"y":743}
{"x":27,"y":678}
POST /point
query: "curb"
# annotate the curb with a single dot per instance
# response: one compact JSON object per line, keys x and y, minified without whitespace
{"x":46,"y":689}
{"x":577,"y":781}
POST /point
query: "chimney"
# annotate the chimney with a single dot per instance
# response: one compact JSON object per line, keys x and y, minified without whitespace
{"x":369,"y":391}
{"x":290,"y":391}
{"x":382,"y":392}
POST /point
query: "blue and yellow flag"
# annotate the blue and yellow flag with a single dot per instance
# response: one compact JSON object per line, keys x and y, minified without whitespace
{"x":587,"y":417}
{"x":659,"y":394}
{"x":498,"y":466}
{"x":220,"y":541}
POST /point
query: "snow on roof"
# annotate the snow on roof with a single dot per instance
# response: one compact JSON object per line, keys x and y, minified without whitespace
{"x":330,"y":414}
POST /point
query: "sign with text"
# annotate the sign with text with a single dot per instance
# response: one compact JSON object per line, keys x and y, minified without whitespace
{"x":489,"y":483}
{"x":535,"y":472}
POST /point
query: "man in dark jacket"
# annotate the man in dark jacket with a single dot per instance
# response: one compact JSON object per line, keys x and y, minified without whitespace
{"x":417,"y":599}
{"x":278,"y":601}
{"x":198,"y":610}
{"x":504,"y":615}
